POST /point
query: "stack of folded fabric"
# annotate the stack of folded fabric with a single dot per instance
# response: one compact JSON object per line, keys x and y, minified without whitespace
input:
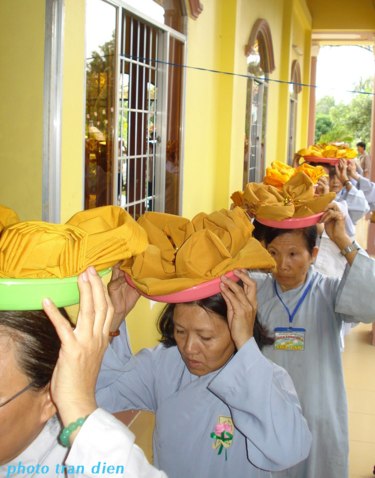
{"x":296,"y":199}
{"x":99,"y":237}
{"x":182,"y":253}
{"x":8,"y":217}
{"x":280,"y":173}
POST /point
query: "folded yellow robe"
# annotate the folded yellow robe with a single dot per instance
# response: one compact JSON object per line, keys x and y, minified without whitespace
{"x":185,"y":253}
{"x":280,"y":173}
{"x":8,"y":217}
{"x":100,"y":237}
{"x":295,"y":199}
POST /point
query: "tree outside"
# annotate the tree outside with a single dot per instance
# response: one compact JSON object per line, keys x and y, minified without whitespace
{"x":350,"y":123}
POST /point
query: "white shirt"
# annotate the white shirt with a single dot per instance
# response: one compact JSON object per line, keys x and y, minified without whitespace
{"x":103,"y":447}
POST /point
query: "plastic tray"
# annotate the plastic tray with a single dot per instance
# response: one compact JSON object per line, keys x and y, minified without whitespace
{"x":292,"y":223}
{"x":315,"y":159}
{"x":27,"y":294}
{"x":197,"y":292}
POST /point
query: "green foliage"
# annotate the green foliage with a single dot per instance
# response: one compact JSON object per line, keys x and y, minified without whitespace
{"x":345,"y":122}
{"x":323,"y":125}
{"x":324,"y":105}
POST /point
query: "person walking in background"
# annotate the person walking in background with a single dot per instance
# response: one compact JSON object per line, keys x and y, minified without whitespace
{"x":363,"y":160}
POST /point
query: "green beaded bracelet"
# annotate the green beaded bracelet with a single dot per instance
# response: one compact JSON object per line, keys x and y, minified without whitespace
{"x":67,"y":431}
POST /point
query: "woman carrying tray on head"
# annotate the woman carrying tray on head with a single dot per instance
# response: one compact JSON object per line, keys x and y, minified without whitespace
{"x":43,"y":373}
{"x":305,"y":311}
{"x":49,"y":421}
{"x":221,"y":408}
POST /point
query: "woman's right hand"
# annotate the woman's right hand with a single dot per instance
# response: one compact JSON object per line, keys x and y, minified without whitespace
{"x":242,"y":306}
{"x":82,"y":349}
{"x":123,"y":296}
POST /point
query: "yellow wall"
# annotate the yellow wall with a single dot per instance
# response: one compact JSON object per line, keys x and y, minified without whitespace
{"x":73,"y":110}
{"x":302,"y":40}
{"x":201,"y":119}
{"x":215,"y":103}
{"x":342,"y":14}
{"x":21,"y":112}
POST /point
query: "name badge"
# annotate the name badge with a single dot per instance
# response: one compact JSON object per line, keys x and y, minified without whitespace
{"x":289,"y":338}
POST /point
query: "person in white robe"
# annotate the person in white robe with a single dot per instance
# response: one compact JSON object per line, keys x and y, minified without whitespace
{"x":363,"y":184}
{"x":29,"y":426}
{"x":368,"y":189}
{"x":222,"y":409}
{"x":340,"y":183}
{"x":306,"y":309}
{"x":353,"y":205}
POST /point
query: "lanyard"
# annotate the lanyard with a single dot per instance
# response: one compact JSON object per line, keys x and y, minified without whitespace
{"x":299,"y":303}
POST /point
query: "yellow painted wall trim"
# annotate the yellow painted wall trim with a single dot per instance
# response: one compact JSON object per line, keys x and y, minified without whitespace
{"x":303,"y":13}
{"x":21,"y":112}
{"x":73,"y":109}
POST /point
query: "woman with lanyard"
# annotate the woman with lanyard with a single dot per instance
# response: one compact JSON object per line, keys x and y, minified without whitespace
{"x":306,"y":309}
{"x":221,"y":408}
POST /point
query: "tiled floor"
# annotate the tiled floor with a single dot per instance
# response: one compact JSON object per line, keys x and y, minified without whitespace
{"x":359,"y":368}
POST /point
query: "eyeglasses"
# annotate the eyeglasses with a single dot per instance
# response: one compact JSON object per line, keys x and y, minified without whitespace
{"x":17,"y":394}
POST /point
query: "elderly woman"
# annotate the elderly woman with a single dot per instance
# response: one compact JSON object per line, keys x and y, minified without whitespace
{"x":222,"y":409}
{"x":41,"y":369}
{"x":305,"y":309}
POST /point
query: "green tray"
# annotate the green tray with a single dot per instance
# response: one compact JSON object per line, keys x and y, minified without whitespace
{"x":27,"y":294}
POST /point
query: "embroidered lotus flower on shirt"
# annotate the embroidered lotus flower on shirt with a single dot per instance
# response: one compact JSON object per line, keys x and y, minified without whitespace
{"x":223,"y":435}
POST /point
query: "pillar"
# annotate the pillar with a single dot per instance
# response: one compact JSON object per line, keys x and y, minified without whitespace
{"x":312,"y":103}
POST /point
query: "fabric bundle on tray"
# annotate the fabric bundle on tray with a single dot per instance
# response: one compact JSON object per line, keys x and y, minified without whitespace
{"x":279,"y":173}
{"x":8,"y":217}
{"x":183,"y":253}
{"x":296,"y":199}
{"x":100,"y":237}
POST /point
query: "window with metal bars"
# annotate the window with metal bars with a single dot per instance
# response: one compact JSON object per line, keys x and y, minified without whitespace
{"x":256,"y":115}
{"x":134,"y":89}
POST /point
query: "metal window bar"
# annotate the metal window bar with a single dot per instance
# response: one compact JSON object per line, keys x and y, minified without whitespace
{"x":137,"y":166}
{"x":141,"y":100}
{"x":257,"y":124}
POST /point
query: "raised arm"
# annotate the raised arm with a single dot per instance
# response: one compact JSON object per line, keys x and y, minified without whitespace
{"x":98,"y":437}
{"x":334,"y":224}
{"x":353,"y":298}
{"x":357,"y":204}
{"x":260,"y":395}
{"x":125,"y":381}
{"x":364,"y":185}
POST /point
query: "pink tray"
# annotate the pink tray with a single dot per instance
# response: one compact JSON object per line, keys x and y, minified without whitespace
{"x":197,"y":292}
{"x":315,"y":159}
{"x":292,"y":223}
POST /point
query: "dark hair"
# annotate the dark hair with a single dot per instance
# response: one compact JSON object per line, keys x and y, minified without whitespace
{"x":332,"y":172}
{"x":216,"y":304}
{"x":309,"y":235}
{"x":259,"y":230}
{"x":361,"y":144}
{"x":36,"y":341}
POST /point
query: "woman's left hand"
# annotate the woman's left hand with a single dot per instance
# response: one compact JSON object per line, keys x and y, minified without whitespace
{"x":334,"y":224}
{"x":82,"y":349}
{"x":342,"y":170}
{"x":242,"y":307}
{"x":322,"y":186}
